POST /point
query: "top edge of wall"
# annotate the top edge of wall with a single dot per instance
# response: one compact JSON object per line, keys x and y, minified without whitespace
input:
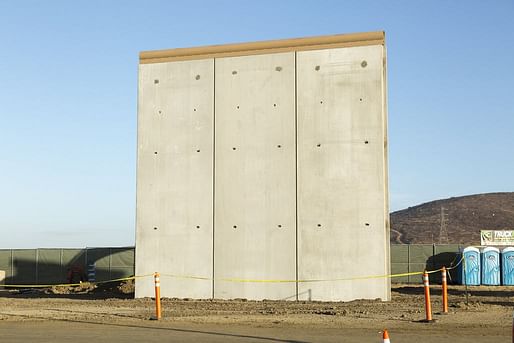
{"x":264,"y":47}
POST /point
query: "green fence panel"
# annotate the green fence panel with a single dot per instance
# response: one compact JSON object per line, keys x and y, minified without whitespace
{"x":49,"y":267}
{"x":100,"y":257}
{"x":102,"y":260}
{"x":5,"y":263}
{"x":399,"y":253}
{"x":399,"y":268}
{"x":73,"y":257}
{"x":122,"y":257}
{"x":121,"y":272}
{"x":420,"y":253}
{"x":24,"y":266}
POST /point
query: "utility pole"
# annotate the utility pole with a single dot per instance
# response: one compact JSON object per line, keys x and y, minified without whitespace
{"x":443,"y":230}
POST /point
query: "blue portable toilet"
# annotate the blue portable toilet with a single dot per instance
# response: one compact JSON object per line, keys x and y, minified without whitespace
{"x":508,"y":266}
{"x":470,"y":267}
{"x":491,"y":266}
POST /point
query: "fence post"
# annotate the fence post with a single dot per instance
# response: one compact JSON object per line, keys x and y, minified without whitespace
{"x":157,"y":281}
{"x":428,"y":306}
{"x":445,"y":290}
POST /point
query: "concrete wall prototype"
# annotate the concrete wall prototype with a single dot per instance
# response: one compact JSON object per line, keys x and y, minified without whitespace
{"x":264,"y":161}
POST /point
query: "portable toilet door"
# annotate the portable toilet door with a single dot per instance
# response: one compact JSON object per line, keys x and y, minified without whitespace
{"x":508,"y":266}
{"x":491,"y":266}
{"x":470,"y":267}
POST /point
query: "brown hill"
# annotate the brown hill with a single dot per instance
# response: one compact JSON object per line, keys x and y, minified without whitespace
{"x":453,"y":220}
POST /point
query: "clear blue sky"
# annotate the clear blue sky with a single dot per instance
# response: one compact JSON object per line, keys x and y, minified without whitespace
{"x":68,"y":87}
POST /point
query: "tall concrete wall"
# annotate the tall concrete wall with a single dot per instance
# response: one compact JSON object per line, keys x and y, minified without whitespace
{"x":263,"y":165}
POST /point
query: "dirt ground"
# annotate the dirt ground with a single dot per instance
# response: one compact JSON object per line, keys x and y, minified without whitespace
{"x":110,"y":316}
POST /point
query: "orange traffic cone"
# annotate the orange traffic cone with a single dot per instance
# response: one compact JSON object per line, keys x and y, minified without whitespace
{"x":385,"y":336}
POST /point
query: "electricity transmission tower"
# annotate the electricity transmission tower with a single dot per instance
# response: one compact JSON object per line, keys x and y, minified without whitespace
{"x":443,"y":231}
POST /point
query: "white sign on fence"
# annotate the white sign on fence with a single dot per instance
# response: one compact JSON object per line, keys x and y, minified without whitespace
{"x":497,"y":237}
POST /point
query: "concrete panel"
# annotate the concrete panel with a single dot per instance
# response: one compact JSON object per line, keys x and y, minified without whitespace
{"x":255,"y":229}
{"x":342,"y":173}
{"x":175,"y":181}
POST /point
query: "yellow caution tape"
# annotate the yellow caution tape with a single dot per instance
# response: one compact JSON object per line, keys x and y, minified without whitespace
{"x":243,"y":280}
{"x":310,"y":280}
{"x":76,"y":284}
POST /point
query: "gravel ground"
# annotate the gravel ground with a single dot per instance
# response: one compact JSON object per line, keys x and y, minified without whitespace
{"x":112,"y":316}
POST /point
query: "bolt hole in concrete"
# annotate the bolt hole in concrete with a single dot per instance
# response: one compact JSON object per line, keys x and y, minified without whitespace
{"x":319,"y":225}
{"x":160,"y":112}
{"x":234,"y":148}
{"x":366,"y":142}
{"x":198,"y":150}
{"x":194,"y":109}
{"x":278,"y":68}
{"x":237,"y":107}
{"x":197,"y":77}
{"x":155,"y":152}
{"x":235,"y":226}
{"x":279,"y":146}
{"x":360,"y":99}
{"x":279,"y":225}
{"x":197,"y":226}
{"x":274,"y":105}
{"x":317,"y":68}
{"x":364,"y":64}
{"x":321,"y":102}
{"x":155,"y":228}
{"x":367,"y":224}
{"x":155,"y":81}
{"x":318,"y":145}
{"x":234,"y":72}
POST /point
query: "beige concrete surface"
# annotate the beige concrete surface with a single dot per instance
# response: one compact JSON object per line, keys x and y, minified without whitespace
{"x":264,"y":167}
{"x":342,"y":227}
{"x":255,"y":177}
{"x":175,"y":175}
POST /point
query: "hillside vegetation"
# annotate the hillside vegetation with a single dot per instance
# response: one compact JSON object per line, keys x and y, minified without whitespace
{"x":453,"y":220}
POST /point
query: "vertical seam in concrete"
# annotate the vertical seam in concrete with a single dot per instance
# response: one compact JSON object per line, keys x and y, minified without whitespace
{"x":296,"y":168}
{"x":213,"y":164}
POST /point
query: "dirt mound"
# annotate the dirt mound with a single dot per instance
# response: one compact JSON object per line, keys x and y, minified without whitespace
{"x":454,"y":220}
{"x":126,"y":287}
{"x":83,"y":288}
